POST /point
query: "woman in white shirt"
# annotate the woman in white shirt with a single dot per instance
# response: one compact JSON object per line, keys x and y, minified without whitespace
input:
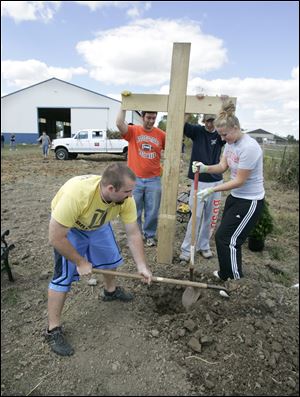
{"x":243,"y":156}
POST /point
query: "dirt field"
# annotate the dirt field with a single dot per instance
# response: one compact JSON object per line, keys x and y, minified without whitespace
{"x":245,"y":345}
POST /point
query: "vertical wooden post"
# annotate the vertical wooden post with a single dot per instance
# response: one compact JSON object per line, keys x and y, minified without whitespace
{"x":170,"y":179}
{"x":176,"y":104}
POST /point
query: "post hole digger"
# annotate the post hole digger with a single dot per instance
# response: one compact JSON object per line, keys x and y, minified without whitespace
{"x":192,"y":294}
{"x":185,"y":283}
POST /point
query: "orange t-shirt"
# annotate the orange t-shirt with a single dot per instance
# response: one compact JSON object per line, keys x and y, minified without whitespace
{"x":144,"y":150}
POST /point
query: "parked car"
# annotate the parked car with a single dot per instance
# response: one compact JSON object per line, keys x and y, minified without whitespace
{"x":89,"y":141}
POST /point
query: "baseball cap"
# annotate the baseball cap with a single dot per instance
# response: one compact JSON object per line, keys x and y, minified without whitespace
{"x":207,"y":117}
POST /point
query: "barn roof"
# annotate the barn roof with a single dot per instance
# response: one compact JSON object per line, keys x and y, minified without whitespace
{"x":62,"y":81}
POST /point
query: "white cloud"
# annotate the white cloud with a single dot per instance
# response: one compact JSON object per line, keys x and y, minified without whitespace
{"x":29,"y":10}
{"x":140,"y":53}
{"x":135,"y":8}
{"x":292,"y":105}
{"x":20,"y":74}
{"x":133,"y":12}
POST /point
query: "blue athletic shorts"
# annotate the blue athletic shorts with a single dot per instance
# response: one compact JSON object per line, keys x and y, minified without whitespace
{"x":98,"y":246}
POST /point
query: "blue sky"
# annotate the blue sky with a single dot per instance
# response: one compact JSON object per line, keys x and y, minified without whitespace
{"x":247,"y":49}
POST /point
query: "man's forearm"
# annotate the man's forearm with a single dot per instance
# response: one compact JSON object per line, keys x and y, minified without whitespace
{"x":121,"y":124}
{"x":66,"y":249}
{"x":136,"y":247}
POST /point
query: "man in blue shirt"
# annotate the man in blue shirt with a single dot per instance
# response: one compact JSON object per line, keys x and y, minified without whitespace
{"x":207,"y":147}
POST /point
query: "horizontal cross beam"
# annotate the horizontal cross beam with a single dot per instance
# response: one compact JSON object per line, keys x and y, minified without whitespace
{"x":160,"y":103}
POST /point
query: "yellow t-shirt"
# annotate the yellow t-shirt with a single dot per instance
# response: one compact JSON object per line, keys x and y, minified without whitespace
{"x":78,"y":204}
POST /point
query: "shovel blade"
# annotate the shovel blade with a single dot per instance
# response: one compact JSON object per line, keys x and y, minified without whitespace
{"x":190,"y":296}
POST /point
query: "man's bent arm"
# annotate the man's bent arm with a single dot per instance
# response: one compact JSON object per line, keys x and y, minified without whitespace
{"x":121,"y":123}
{"x":136,"y":246}
{"x":58,"y":239}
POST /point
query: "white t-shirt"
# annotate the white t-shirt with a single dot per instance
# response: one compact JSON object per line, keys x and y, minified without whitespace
{"x":246,"y":154}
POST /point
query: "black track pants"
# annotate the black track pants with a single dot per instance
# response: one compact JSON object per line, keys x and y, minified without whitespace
{"x":239,"y":217}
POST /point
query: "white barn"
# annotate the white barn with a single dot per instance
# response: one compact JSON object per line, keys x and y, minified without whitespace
{"x":59,"y":108}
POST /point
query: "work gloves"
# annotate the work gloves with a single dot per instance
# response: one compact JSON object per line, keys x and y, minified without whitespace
{"x":202,"y":168}
{"x":203,"y":194}
{"x":126,"y":93}
{"x":198,"y":166}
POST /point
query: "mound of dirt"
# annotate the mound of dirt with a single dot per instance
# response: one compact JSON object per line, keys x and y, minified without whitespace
{"x":246,"y":344}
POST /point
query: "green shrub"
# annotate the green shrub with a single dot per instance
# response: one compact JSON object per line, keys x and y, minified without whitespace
{"x":264,"y":225}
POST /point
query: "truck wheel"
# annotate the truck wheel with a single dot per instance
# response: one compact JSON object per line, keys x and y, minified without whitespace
{"x":62,"y":154}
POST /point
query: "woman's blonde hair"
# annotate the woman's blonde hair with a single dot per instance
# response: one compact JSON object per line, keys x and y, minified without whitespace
{"x":226,"y":117}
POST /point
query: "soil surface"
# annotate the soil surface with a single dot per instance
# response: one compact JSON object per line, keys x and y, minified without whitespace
{"x":246,"y":344}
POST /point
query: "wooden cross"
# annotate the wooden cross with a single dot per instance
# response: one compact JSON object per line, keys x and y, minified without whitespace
{"x":177,"y":103}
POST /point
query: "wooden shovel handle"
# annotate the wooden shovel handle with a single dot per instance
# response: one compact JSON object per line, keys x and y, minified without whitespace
{"x":194,"y":215}
{"x":136,"y":276}
{"x":194,"y":210}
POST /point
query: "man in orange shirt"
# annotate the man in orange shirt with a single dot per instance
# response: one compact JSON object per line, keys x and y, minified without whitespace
{"x":145,"y":143}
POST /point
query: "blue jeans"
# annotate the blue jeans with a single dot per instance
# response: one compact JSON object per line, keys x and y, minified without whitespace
{"x":203,"y":231}
{"x":147,"y":194}
{"x":45,"y":149}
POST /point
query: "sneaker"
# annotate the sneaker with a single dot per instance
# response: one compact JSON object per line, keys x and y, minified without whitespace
{"x":184,"y":258}
{"x":206,"y":254}
{"x":119,"y":294}
{"x":150,"y":242}
{"x":56,"y":340}
{"x":216,"y":274}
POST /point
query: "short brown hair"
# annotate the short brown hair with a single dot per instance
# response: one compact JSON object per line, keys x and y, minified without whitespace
{"x":115,"y":174}
{"x":147,"y":111}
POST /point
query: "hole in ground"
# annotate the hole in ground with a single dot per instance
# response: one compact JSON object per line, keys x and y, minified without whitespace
{"x":167,"y":299}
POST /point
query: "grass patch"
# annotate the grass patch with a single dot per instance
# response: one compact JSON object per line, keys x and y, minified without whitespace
{"x":287,"y":223}
{"x":283,"y":279}
{"x":10,"y":297}
{"x":277,"y":253}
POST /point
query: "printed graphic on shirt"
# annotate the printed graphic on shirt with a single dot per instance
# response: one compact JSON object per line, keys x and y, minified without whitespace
{"x":232,"y":161}
{"x":97,"y":220}
{"x":146,"y":150}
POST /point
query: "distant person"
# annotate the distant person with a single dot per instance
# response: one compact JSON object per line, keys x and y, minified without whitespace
{"x":45,"y":140}
{"x":82,"y":237}
{"x":145,"y":145}
{"x":12,"y":142}
{"x":243,"y":206}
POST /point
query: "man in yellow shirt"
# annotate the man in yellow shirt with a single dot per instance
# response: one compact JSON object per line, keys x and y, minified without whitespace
{"x":82,"y":238}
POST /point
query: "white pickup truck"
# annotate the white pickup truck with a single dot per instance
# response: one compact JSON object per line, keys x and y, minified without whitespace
{"x":89,"y":141}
